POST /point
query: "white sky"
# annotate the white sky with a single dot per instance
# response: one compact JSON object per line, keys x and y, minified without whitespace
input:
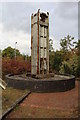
{"x":15,"y":22}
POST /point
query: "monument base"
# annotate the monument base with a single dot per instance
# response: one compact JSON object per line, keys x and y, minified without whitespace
{"x":58,"y":83}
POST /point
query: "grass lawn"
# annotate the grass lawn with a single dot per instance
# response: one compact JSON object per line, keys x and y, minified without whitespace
{"x":9,"y":96}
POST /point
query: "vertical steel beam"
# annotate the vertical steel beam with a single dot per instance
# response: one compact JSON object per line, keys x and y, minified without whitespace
{"x":48,"y":45}
{"x":31,"y":41}
{"x":38,"y":43}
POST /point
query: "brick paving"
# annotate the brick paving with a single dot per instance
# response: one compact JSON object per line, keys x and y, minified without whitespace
{"x":43,"y":105}
{"x":59,"y":100}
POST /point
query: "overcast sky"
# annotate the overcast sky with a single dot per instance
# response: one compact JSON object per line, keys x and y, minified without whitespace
{"x":15,"y":23}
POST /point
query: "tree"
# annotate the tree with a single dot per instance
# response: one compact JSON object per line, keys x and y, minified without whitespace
{"x":56,"y":60}
{"x":12,"y":66}
{"x":10,"y":52}
{"x":66,"y":43}
{"x":26,"y":57}
{"x":77,"y":44}
{"x":0,"y":53}
{"x":51,"y":59}
{"x":78,"y":47}
{"x":70,"y":66}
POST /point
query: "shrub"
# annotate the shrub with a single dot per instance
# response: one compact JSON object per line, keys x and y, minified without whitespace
{"x":12,"y":66}
{"x":65,"y":68}
{"x":70,"y":66}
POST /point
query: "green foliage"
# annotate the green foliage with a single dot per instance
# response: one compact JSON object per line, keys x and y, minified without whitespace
{"x":0,"y":53}
{"x":64,"y":68}
{"x":10,"y":52}
{"x":77,"y":44}
{"x":21,"y":64}
{"x":67,"y":59}
{"x":78,"y":69}
{"x":56,"y":59}
{"x":78,"y":47}
{"x":66,"y":43}
{"x":70,"y":66}
{"x":51,"y":58}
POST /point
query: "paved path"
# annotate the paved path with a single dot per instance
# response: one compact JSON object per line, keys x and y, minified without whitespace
{"x":61,"y":101}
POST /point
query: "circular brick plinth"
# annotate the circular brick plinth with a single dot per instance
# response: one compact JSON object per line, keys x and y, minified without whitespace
{"x":58,"y":83}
